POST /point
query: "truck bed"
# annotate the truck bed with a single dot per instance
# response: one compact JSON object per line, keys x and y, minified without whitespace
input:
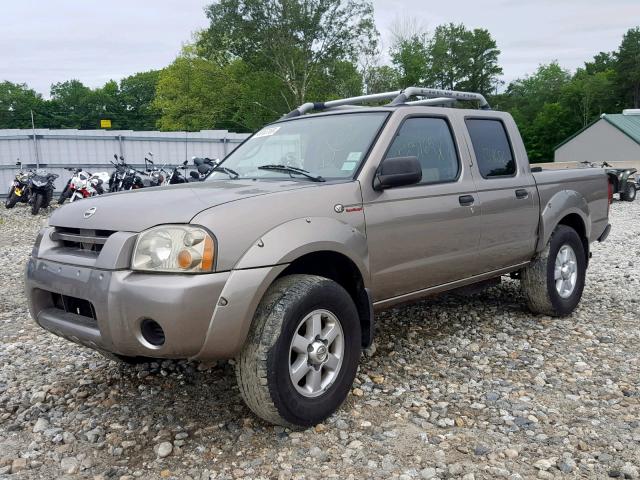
{"x":587,"y":187}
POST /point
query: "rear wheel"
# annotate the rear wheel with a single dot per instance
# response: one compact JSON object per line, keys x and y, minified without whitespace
{"x":553,"y":283}
{"x":302,"y":353}
{"x":629,"y":192}
{"x":37,"y":203}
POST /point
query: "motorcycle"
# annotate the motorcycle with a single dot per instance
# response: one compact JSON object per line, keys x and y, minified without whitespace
{"x":176,"y":176}
{"x":203,"y":167}
{"x":41,"y":187}
{"x":83,"y":184}
{"x":156,"y":176}
{"x":124,"y":177}
{"x":19,"y":190}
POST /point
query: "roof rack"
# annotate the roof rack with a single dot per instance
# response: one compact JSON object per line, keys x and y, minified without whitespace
{"x":431,"y":96}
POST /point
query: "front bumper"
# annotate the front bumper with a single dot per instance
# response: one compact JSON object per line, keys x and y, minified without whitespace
{"x":182,"y":304}
{"x":196,"y":323}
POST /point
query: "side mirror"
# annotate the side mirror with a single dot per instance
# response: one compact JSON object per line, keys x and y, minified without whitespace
{"x":193,"y":174}
{"x":397,"y":172}
{"x":18,"y":163}
{"x":121,"y":158}
{"x":115,"y":156}
{"x":185,"y":162}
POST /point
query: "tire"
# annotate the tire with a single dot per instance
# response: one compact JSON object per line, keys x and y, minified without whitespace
{"x":539,"y":284}
{"x":64,"y":196}
{"x":264,"y":364}
{"x":11,"y":200}
{"x":37,"y":203}
{"x":629,"y":192}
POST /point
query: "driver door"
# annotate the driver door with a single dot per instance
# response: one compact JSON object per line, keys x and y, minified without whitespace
{"x":427,"y":234}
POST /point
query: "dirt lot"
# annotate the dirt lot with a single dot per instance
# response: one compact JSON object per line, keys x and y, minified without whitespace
{"x":458,"y":387}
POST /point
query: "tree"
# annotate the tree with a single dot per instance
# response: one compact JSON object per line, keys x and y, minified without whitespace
{"x":382,"y":79}
{"x":483,"y":69}
{"x":411,"y":58}
{"x":590,"y":95}
{"x":628,"y":67}
{"x":137,"y":93}
{"x":16,"y":102}
{"x":294,"y":40}
{"x":449,"y":53}
{"x":72,"y":105}
{"x":464,"y":60}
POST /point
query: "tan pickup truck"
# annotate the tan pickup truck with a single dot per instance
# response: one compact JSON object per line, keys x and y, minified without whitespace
{"x":280,"y":258}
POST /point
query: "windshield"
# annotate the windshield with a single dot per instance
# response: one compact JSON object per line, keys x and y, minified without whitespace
{"x":331,"y":146}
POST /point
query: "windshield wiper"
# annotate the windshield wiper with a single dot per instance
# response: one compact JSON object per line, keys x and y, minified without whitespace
{"x":232,"y":173}
{"x":290,"y":170}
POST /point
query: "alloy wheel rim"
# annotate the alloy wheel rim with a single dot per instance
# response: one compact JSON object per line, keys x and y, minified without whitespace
{"x":565,"y":273}
{"x":316,"y":353}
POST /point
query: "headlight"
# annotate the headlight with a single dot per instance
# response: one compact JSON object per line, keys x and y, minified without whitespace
{"x":174,"y":248}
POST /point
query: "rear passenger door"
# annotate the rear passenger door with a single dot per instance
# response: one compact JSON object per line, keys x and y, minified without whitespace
{"x":507,"y":192}
{"x":427,"y":234}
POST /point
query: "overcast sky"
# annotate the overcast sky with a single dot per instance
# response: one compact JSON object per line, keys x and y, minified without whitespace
{"x":47,"y":41}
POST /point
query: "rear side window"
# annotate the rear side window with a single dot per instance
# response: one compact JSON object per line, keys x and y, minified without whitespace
{"x":430,"y":140}
{"x":492,"y":148}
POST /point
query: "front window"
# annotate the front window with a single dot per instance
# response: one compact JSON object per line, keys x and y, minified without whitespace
{"x":329,"y":146}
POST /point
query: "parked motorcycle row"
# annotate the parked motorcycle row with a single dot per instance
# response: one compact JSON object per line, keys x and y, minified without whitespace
{"x":36,"y":187}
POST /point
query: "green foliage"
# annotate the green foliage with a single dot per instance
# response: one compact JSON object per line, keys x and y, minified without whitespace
{"x":16,"y":103}
{"x":411,"y":57}
{"x":297,"y":41}
{"x":453,"y":58}
{"x":136,"y":97}
{"x":628,"y":67}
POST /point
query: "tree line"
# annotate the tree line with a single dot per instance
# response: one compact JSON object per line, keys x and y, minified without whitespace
{"x":258,"y":59}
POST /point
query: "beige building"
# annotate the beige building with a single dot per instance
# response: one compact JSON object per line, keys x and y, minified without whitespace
{"x":611,"y":138}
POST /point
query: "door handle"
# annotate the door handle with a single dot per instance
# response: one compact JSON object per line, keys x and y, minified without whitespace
{"x":521,"y":193}
{"x":466,"y":200}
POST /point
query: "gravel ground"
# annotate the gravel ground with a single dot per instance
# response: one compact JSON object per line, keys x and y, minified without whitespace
{"x":458,"y":387}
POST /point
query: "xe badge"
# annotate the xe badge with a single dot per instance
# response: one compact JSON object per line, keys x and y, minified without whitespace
{"x":89,"y":212}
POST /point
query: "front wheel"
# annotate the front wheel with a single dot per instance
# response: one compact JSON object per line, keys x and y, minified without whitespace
{"x":37,"y":203}
{"x":66,"y":193}
{"x":12,"y":199}
{"x":553,"y":283}
{"x":629,"y":192}
{"x":300,"y":358}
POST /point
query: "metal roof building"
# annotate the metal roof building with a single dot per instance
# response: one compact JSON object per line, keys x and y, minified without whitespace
{"x":611,"y":138}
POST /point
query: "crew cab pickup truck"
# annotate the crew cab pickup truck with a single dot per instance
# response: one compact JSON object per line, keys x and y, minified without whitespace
{"x":280,"y":258}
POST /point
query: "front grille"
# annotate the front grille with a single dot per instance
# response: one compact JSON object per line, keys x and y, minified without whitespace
{"x":81,"y":239}
{"x":75,"y":305}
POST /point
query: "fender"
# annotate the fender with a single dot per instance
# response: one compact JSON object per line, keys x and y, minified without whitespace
{"x":561,"y":204}
{"x":295,"y":238}
{"x":261,"y":264}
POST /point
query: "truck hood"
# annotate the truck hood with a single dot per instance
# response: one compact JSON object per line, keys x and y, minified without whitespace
{"x":137,"y":210}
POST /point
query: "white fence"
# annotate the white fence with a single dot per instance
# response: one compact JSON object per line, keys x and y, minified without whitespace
{"x":54,"y":150}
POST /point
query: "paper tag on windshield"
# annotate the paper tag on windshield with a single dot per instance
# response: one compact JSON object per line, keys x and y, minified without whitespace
{"x":266,"y":132}
{"x":353,"y":157}
{"x":348,"y":166}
